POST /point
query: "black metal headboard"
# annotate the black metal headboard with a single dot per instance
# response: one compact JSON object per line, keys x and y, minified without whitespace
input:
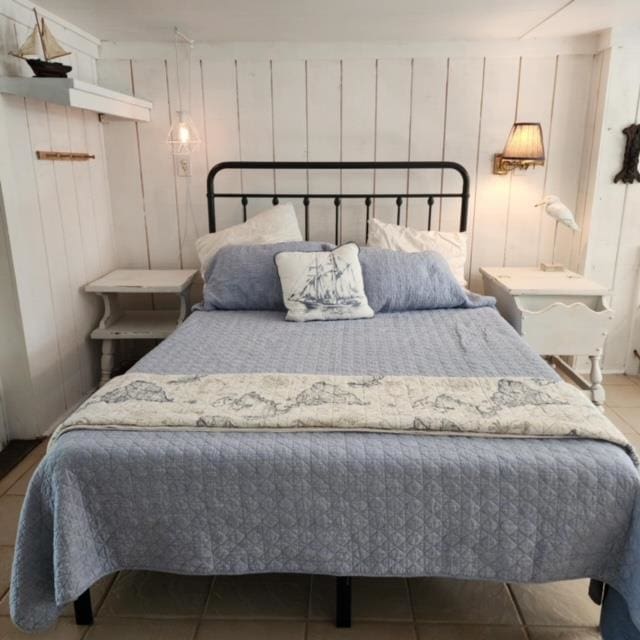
{"x":337,"y":198}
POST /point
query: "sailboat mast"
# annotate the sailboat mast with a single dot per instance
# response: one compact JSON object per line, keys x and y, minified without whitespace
{"x":41,"y":34}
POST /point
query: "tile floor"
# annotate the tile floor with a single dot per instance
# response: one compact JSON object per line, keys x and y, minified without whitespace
{"x":146,"y":606}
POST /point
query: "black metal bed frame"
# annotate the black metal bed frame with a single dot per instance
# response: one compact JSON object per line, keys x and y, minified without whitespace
{"x":82,"y":606}
{"x":337,"y":197}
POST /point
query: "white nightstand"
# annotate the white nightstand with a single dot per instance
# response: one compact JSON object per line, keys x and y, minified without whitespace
{"x":559,"y":313}
{"x":119,"y":324}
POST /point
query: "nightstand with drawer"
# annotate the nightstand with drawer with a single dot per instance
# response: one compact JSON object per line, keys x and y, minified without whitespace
{"x":559,"y":313}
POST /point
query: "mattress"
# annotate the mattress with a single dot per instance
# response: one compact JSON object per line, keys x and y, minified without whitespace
{"x":330,"y":503}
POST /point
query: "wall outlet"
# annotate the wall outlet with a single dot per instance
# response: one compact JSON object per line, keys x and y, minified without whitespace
{"x":183,"y":167}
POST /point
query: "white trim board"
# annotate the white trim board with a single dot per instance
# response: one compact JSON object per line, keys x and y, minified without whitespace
{"x":355,"y":50}
{"x":71,"y":92}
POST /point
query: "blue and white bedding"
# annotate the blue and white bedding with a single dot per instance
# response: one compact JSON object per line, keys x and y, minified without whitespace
{"x":522,"y":510}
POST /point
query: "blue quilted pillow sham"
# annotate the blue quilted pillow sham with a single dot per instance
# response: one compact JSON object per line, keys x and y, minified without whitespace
{"x":400,"y":281}
{"x":244,"y":277}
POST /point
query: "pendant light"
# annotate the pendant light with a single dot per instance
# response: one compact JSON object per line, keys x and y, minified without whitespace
{"x":183,"y":136}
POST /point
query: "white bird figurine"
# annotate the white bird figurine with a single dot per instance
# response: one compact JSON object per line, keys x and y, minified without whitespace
{"x":559,"y":211}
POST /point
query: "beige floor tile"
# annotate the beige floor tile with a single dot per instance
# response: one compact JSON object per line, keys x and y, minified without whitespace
{"x":98,"y":593}
{"x":372,"y":599}
{"x":469,"y":632}
{"x":361,"y":631}
{"x":563,"y":633}
{"x":618,"y":420}
{"x":442,"y":600}
{"x":259,"y":596}
{"x":6,"y":558}
{"x":611,"y":379}
{"x":133,"y":629}
{"x":63,"y":630}
{"x":251,"y":630}
{"x":146,"y":594}
{"x":631,"y":416}
{"x":33,"y":458}
{"x":20,"y":487}
{"x":622,"y":395}
{"x":9,"y":512}
{"x":557,"y":604}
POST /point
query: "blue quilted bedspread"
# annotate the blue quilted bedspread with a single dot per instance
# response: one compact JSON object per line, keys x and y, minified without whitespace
{"x":332,"y":503}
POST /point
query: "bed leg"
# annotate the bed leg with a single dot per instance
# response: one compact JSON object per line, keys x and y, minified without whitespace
{"x":82,"y":609}
{"x":343,"y":602}
{"x":597,"y":591}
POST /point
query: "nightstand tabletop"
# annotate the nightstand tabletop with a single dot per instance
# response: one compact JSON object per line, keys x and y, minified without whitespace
{"x":143,"y":281}
{"x":532,"y":281}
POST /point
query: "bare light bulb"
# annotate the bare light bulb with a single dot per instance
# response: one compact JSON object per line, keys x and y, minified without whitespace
{"x":183,"y":133}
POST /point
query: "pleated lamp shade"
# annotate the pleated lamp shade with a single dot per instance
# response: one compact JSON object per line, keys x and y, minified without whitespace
{"x":525,"y":143}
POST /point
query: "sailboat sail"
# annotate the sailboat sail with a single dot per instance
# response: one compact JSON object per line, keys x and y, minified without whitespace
{"x":29,"y":46}
{"x":51,"y":46}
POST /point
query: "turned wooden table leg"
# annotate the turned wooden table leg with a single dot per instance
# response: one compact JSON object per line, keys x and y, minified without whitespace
{"x":107,"y":360}
{"x":597,"y":390}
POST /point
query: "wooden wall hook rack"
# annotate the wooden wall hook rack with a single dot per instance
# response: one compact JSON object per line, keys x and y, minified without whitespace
{"x":63,"y":155}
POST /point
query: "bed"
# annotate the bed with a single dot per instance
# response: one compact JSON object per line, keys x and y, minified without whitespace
{"x":339,"y":503}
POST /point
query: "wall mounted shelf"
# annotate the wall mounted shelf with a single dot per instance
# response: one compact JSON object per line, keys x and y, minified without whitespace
{"x":81,"y":95}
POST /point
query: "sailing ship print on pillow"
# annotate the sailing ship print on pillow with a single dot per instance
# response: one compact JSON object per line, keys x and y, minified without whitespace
{"x":323,"y":285}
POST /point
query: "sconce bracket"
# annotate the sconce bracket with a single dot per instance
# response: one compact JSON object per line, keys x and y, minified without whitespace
{"x":502,"y":166}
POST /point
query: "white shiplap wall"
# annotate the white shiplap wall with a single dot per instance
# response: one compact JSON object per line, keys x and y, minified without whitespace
{"x":356,"y":107}
{"x":57,"y":218}
{"x":612,"y":245}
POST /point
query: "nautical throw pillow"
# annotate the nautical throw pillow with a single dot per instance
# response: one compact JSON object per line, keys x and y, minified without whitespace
{"x":323,"y":285}
{"x":278,"y":224}
{"x":452,"y":245}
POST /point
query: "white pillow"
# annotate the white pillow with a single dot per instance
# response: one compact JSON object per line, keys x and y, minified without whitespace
{"x":278,"y":224}
{"x":323,"y":285}
{"x":451,"y":245}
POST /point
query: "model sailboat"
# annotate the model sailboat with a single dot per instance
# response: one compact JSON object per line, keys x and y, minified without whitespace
{"x":41,"y":40}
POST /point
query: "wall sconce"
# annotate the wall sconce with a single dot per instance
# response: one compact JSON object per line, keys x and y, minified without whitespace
{"x":524,"y":149}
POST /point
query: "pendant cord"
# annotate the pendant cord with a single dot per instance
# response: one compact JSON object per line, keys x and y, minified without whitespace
{"x":178,"y":70}
{"x":180,"y":37}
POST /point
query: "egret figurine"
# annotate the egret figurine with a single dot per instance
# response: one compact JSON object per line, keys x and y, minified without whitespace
{"x":559,"y":211}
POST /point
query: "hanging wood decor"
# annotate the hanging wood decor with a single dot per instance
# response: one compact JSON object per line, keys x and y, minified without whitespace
{"x":63,"y":155}
{"x":629,"y":172}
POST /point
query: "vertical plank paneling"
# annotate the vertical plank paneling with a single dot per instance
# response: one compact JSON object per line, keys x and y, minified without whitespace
{"x":393,"y":110}
{"x":158,"y":182}
{"x":358,"y":141}
{"x":427,"y":133}
{"x":98,"y":177}
{"x":289,"y":80}
{"x":256,"y":127}
{"x":221,"y":132}
{"x":566,"y":149}
{"x":488,"y":230}
{"x":125,"y":173}
{"x":464,"y":95}
{"x":36,"y":269}
{"x":535,"y":100}
{"x":191,"y":203}
{"x":613,"y":248}
{"x":595,"y":115}
{"x":74,"y":232}
{"x":57,"y":215}
{"x":53,"y":228}
{"x":324,"y":117}
{"x":86,"y":204}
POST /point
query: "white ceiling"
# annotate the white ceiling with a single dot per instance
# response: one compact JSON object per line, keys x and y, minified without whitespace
{"x":343,"y":20}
